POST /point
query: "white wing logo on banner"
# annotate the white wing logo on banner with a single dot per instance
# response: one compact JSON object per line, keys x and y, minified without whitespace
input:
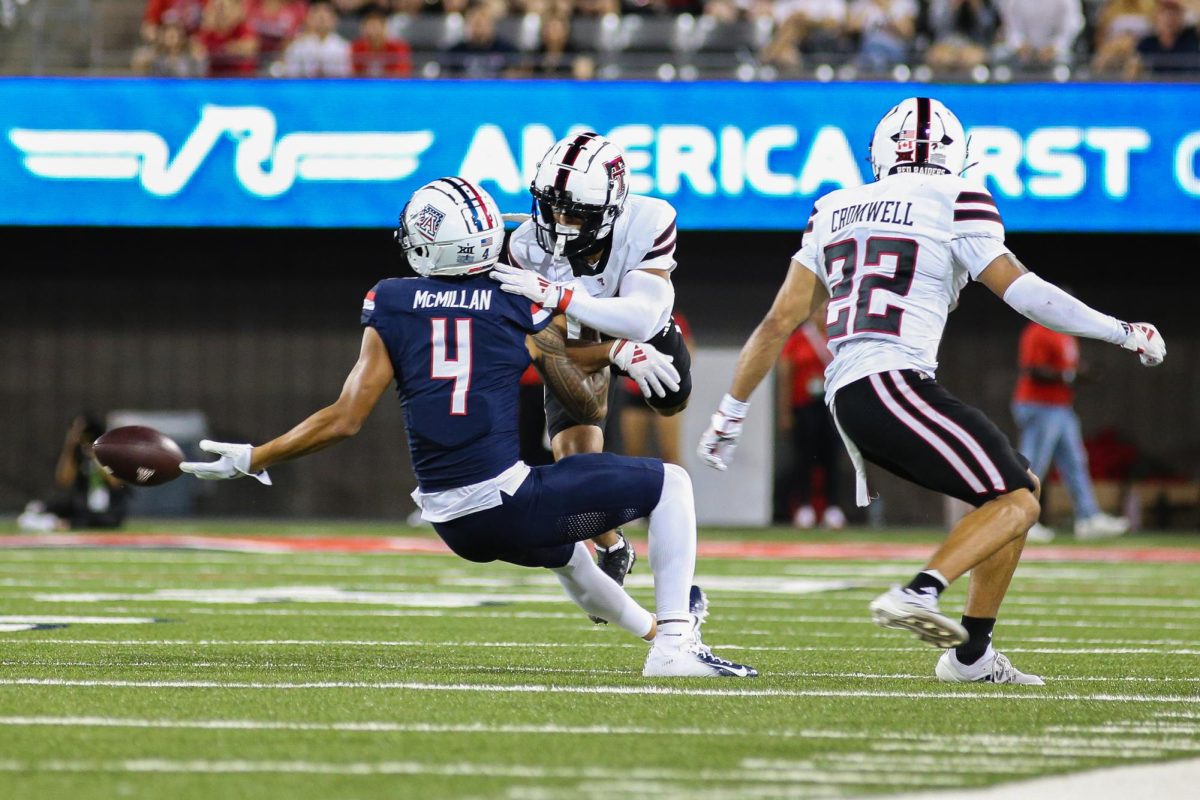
{"x":265,"y":167}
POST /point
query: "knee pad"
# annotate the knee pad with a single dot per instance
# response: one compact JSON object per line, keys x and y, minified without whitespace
{"x":676,"y":480}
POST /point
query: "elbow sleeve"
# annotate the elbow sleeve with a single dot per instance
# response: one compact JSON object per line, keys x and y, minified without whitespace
{"x":1050,"y":306}
{"x":642,"y":308}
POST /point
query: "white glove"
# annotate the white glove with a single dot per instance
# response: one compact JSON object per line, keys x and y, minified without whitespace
{"x":720,"y":440}
{"x":234,"y":462}
{"x":652,"y":370}
{"x":1145,"y":340}
{"x":526,"y":282}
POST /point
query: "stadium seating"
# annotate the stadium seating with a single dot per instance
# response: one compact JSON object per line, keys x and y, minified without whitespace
{"x":99,"y":36}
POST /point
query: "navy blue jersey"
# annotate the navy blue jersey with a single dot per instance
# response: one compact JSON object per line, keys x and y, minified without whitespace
{"x":457,"y":346}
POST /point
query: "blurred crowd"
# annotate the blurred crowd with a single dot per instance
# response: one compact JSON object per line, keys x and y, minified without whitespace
{"x":570,"y":38}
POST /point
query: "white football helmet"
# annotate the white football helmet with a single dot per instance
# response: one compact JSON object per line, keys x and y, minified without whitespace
{"x":919,"y":135}
{"x":579,"y":190}
{"x":450,"y":227}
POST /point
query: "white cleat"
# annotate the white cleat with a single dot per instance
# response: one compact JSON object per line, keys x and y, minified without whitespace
{"x":691,"y":659}
{"x":1040,"y":534}
{"x":993,"y":667}
{"x":834,"y":518}
{"x":918,"y":613}
{"x":1101,"y":526}
{"x":805,"y":518}
{"x":686,"y":656}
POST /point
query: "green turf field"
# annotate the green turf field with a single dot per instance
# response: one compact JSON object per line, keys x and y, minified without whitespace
{"x":334,"y":675}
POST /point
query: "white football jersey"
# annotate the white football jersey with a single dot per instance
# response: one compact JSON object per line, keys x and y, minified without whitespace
{"x":643,"y":237}
{"x":894,"y":254}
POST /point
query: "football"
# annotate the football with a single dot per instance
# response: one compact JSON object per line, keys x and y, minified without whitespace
{"x":139,"y":455}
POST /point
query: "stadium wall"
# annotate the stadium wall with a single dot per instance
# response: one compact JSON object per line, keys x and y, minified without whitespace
{"x":257,"y":328}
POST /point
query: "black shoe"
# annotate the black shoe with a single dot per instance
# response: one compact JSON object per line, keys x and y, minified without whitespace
{"x":616,"y":564}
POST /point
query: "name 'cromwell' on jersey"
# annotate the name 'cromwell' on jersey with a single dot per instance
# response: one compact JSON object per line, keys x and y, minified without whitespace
{"x":894,"y":256}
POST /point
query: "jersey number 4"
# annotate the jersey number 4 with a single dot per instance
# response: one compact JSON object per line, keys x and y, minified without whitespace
{"x":457,"y":369}
{"x":855,"y":315}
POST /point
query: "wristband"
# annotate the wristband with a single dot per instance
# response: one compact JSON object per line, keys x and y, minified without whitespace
{"x":733,"y":408}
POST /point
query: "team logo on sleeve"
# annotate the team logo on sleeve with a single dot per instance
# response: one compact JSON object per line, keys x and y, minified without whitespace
{"x":539,"y":314}
{"x":428,"y":221}
{"x":369,"y":301}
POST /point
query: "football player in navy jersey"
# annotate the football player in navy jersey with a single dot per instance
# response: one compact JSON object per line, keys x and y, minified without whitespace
{"x":456,"y":344}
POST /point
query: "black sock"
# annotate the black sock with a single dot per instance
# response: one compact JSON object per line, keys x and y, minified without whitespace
{"x":979,"y":636}
{"x":923,"y":581}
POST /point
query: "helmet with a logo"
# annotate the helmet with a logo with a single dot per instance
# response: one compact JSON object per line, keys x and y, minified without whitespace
{"x":919,"y":135}
{"x":450,"y":227}
{"x":579,"y":190}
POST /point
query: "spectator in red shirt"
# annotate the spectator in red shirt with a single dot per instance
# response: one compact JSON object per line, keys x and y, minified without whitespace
{"x":376,"y":55}
{"x":229,"y":45}
{"x":170,"y":12}
{"x":1042,"y":407}
{"x":803,"y":415}
{"x":276,"y":23}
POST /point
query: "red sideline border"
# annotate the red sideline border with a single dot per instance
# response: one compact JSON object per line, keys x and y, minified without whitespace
{"x":724,"y":549}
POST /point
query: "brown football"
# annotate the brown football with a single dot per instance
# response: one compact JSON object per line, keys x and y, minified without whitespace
{"x":139,"y":455}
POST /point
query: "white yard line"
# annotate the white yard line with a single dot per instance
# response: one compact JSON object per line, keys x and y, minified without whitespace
{"x":571,"y":645}
{"x":726,"y":621}
{"x":1128,"y":729}
{"x":461,"y":769}
{"x":426,"y":597}
{"x":1171,"y":780}
{"x":1006,"y":696}
{"x":915,"y":741}
{"x":365,"y":727}
{"x":720,"y":617}
{"x":624,"y":642}
{"x":1084,"y":601}
{"x":58,"y":619}
{"x":306,"y":665}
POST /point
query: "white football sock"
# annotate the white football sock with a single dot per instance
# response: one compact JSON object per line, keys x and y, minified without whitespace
{"x":599,"y":595}
{"x":673,"y":548}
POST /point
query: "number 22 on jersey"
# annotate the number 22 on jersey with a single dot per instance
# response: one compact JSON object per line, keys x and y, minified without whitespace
{"x":850,"y":297}
{"x":457,"y":369}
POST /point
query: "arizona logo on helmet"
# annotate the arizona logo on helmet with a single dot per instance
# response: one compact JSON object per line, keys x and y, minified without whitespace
{"x":428,"y":221}
{"x":454,"y":230}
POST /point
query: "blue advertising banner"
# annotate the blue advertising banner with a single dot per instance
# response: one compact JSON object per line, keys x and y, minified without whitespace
{"x":1077,"y":157}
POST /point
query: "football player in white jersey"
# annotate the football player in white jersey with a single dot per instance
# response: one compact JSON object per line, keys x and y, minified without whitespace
{"x":891,"y":257}
{"x":603,"y":257}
